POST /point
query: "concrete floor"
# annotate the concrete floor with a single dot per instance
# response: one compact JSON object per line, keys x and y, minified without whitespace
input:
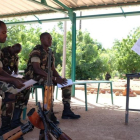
{"x":102,"y":121}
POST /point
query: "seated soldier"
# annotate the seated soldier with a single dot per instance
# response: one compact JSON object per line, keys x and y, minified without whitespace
{"x":10,"y":61}
{"x":12,"y":102}
{"x":37,"y":70}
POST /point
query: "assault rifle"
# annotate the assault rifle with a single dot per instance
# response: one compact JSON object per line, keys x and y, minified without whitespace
{"x":48,"y":93}
{"x":41,"y":121}
{"x":17,"y":132}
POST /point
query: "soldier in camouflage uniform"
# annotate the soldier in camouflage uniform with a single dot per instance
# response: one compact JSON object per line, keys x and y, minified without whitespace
{"x":12,"y":101}
{"x":10,"y":58}
{"x":37,"y":70}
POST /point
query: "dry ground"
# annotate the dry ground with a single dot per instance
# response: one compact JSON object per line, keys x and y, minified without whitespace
{"x":102,"y":121}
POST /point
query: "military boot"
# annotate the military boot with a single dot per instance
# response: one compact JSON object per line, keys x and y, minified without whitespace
{"x":68,"y":114}
{"x":5,"y":127}
{"x":15,"y":122}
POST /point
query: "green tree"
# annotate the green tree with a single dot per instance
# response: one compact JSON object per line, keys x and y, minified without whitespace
{"x":127,"y":60}
{"x":108,"y":59}
{"x":88,"y":63}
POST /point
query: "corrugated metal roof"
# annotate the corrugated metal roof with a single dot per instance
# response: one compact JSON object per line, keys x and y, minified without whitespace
{"x":11,"y":8}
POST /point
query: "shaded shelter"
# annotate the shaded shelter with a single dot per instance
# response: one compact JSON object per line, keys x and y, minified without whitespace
{"x":16,"y":8}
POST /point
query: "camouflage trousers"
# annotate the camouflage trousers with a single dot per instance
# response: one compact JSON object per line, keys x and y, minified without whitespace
{"x":66,"y":91}
{"x":66,"y":94}
{"x":11,"y":99}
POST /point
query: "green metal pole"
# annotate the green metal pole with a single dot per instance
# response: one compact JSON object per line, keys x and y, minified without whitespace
{"x":73,"y":51}
{"x":78,"y":18}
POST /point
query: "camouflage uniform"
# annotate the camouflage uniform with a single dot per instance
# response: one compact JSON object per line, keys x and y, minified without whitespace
{"x":40,"y":55}
{"x":10,"y":98}
{"x":10,"y":62}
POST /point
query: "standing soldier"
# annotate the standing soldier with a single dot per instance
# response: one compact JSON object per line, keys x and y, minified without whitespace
{"x":37,"y":70}
{"x":12,"y":102}
{"x":10,"y":58}
{"x":107,"y":76}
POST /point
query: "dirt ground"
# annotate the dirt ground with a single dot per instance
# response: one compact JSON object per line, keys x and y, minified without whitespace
{"x":102,"y":121}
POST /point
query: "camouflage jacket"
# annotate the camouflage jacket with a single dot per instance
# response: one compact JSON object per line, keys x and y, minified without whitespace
{"x":10,"y":62}
{"x":40,"y":55}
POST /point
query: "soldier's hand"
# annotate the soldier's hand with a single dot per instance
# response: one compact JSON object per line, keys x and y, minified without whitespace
{"x":22,"y":80}
{"x":18,"y":83}
{"x":62,"y":81}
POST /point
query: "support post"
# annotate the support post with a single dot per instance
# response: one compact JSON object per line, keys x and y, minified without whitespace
{"x":64,"y":50}
{"x":72,"y":16}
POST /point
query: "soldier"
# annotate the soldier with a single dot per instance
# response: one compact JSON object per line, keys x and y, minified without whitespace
{"x":37,"y":70}
{"x":107,"y":76}
{"x":10,"y":55}
{"x":12,"y":102}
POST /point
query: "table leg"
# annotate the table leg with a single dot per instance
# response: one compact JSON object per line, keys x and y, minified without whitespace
{"x":32,"y":90}
{"x":85,"y":97}
{"x":73,"y":90}
{"x":111,"y":92}
{"x":127,"y":101}
{"x":98,"y":92}
{"x":36,"y":95}
{"x":56,"y":92}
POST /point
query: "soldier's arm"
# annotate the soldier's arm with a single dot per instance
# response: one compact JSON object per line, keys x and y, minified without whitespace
{"x":55,"y":73}
{"x":38,"y":70}
{"x":35,"y":61}
{"x":5,"y":74}
{"x":57,"y":78}
{"x":10,"y":79}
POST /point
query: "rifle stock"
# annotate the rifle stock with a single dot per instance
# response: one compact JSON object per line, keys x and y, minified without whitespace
{"x":10,"y":133}
{"x":16,"y":136}
{"x":35,"y":119}
{"x":48,"y":97}
{"x":17,"y":132}
{"x":63,"y":136}
{"x":41,"y":121}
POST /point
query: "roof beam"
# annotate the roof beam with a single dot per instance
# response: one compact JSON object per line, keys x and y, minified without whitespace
{"x":77,"y":8}
{"x":70,"y":11}
{"x":123,"y":12}
{"x":43,"y":1}
{"x":78,"y":18}
{"x":64,"y":6}
{"x":38,"y":19}
{"x":106,"y":6}
{"x":46,"y":5}
{"x":27,"y":13}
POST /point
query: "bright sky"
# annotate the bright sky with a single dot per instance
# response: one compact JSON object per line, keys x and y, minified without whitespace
{"x":108,"y":29}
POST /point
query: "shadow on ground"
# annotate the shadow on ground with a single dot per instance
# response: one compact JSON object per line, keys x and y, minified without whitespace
{"x":101,"y":122}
